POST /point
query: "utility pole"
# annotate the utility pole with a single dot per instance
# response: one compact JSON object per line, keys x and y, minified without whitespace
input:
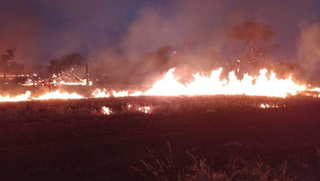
{"x":87,"y":74}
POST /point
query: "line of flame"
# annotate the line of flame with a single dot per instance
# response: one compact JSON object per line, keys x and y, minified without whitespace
{"x":261,"y":85}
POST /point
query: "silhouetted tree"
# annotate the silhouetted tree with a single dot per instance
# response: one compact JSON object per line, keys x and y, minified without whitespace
{"x":66,"y":62}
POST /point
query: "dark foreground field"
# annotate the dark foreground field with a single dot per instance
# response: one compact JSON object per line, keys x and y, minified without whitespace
{"x":72,"y":140}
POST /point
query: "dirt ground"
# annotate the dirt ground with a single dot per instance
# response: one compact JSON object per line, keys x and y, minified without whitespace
{"x":72,"y":140}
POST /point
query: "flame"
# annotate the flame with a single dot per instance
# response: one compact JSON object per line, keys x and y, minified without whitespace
{"x":120,"y":94}
{"x":49,"y":95}
{"x":58,"y":80}
{"x":106,"y":110}
{"x":98,"y":93}
{"x":81,"y":82}
{"x":169,"y":85}
{"x":264,"y":106}
{"x":145,"y":109}
{"x":212,"y":85}
{"x":103,"y":93}
{"x":137,"y":93}
{"x":58,"y":95}
{"x":22,"y":97}
{"x":129,"y":106}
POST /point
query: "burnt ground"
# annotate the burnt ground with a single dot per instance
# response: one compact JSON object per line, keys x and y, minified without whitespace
{"x":72,"y":140}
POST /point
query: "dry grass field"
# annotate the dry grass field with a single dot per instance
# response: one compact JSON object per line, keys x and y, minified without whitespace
{"x":202,"y":138}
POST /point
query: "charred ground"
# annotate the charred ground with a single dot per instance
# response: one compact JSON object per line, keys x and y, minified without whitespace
{"x":73,"y":140}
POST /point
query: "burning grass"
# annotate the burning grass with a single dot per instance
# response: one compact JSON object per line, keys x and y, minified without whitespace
{"x":170,"y":85}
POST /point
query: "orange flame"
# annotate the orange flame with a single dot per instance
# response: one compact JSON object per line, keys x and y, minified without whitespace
{"x":58,"y":95}
{"x":22,"y":97}
{"x":106,"y":110}
{"x":212,"y":85}
{"x":145,"y":109}
{"x":169,"y":85}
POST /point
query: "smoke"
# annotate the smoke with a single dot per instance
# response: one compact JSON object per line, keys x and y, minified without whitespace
{"x":44,"y":30}
{"x":187,"y":35}
{"x":196,"y":33}
{"x":19,"y":31}
{"x":186,"y":25}
{"x":123,"y":40}
{"x":309,"y":50}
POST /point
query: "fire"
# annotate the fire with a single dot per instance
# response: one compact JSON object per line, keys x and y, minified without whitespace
{"x":133,"y":108}
{"x":106,"y":110}
{"x":49,"y":95}
{"x":169,"y":85}
{"x":22,"y":97}
{"x":212,"y":85}
{"x":120,"y":94}
{"x":64,"y":78}
{"x":82,"y":82}
{"x":98,"y":93}
{"x":261,"y":85}
{"x":145,"y":109}
{"x":265,"y":106}
{"x":58,"y":95}
{"x":103,"y":93}
{"x":137,"y":93}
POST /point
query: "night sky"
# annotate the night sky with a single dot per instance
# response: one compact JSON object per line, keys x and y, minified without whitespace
{"x":41,"y":30}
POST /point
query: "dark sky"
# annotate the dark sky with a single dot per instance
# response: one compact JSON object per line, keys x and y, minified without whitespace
{"x":44,"y":29}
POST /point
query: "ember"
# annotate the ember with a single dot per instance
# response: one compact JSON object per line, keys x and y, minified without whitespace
{"x":145,"y":109}
{"x":106,"y":110}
